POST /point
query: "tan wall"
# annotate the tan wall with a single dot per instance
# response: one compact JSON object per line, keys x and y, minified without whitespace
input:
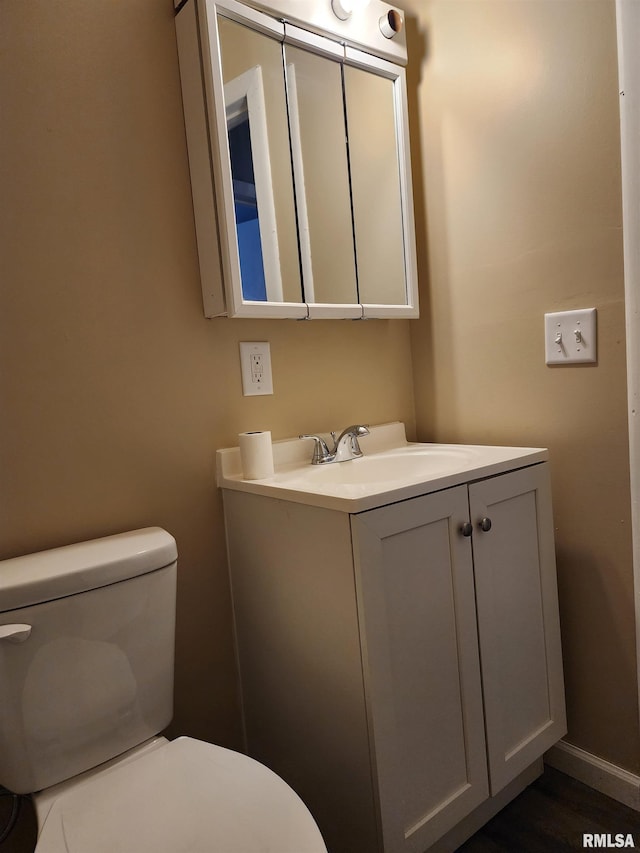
{"x":114,"y":389}
{"x":516,"y":134}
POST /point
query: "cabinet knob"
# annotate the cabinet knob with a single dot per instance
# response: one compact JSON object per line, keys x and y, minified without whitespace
{"x":485,"y":524}
{"x":466,"y":529}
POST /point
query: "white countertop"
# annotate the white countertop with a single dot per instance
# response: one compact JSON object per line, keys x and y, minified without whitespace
{"x":391,"y":470}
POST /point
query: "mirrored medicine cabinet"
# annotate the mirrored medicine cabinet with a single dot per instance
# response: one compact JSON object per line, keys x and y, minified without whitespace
{"x":299,"y":161}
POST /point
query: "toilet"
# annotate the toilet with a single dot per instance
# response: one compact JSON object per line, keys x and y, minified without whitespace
{"x":86,"y":679}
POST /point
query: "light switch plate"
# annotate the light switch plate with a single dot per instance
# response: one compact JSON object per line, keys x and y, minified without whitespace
{"x":255,"y":364}
{"x":570,"y":336}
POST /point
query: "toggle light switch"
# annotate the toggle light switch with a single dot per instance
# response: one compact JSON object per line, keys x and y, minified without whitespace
{"x":570,"y":336}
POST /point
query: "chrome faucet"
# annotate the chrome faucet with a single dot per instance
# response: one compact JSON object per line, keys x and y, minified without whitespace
{"x":345,"y":447}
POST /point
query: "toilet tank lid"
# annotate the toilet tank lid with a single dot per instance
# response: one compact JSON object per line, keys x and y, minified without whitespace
{"x":60,"y":572}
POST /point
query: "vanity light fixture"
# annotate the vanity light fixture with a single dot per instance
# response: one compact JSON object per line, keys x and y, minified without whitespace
{"x":391,"y":24}
{"x":343,"y":9}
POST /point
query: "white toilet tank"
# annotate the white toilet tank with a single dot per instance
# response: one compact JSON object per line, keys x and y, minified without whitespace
{"x":93,"y":676}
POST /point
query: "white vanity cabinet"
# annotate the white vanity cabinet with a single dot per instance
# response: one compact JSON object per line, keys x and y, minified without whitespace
{"x":431,"y":696}
{"x":398,"y":670}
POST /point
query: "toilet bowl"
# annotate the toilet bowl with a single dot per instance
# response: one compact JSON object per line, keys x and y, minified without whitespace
{"x":183,"y":796}
{"x":86,"y":675}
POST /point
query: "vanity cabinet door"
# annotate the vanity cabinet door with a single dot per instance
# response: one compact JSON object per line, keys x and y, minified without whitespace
{"x":518,"y":621}
{"x":416,"y":607}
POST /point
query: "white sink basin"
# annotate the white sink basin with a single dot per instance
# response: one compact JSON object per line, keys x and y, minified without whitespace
{"x":391,"y":469}
{"x":409,"y":463}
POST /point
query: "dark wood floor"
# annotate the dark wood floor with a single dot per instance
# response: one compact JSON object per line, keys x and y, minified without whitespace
{"x":549,"y":817}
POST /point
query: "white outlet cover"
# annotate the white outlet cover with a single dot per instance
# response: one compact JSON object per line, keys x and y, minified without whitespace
{"x":258,"y":380}
{"x":570,"y":337}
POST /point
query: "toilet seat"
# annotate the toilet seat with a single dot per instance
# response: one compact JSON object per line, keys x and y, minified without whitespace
{"x":186,"y":796}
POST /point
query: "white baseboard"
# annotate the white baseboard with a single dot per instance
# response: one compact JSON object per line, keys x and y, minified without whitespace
{"x":595,"y":772}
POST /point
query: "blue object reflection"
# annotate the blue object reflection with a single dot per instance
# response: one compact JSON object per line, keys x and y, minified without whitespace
{"x":246,"y":211}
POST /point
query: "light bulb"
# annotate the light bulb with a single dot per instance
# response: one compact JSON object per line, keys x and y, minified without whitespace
{"x":343,"y":9}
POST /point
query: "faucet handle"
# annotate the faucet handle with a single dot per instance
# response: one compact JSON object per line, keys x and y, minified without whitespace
{"x":321,"y":452}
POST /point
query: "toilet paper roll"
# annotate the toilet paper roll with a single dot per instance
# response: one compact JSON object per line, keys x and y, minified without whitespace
{"x":256,"y":455}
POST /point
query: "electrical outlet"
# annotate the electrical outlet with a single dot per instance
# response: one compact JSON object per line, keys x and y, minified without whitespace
{"x":570,"y":336}
{"x":255,"y":364}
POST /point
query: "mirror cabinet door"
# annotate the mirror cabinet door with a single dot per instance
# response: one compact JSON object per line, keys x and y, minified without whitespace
{"x":321,"y":171}
{"x":375,"y":104}
{"x":377,"y":211}
{"x":260,"y":211}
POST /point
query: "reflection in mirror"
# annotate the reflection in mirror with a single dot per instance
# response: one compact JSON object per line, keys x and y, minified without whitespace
{"x":256,"y":115}
{"x":376,"y":186}
{"x":319,"y":150}
{"x":252,"y":187}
